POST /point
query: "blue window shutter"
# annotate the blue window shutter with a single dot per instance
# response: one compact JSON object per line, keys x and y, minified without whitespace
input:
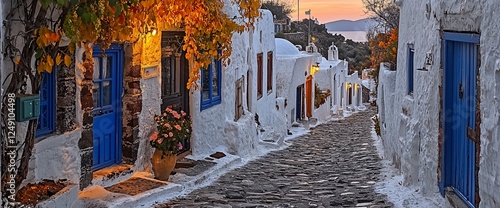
{"x":207,"y":85}
{"x":46,"y":120}
{"x":410,"y":69}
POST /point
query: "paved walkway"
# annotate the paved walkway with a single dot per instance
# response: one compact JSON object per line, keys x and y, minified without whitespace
{"x":334,"y":166}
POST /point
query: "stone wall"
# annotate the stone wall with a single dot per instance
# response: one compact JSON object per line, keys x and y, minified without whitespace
{"x":87,"y":105}
{"x":66,"y":93}
{"x":132,"y":101}
{"x":416,"y":120}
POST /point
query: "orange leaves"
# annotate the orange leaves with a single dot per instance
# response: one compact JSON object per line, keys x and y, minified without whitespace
{"x":384,"y":48}
{"x":207,"y":28}
{"x":46,"y":37}
{"x":58,"y":59}
{"x":45,"y":64}
{"x":67,"y":60}
{"x":17,"y":60}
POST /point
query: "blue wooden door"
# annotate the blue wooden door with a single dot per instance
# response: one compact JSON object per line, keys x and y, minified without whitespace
{"x":460,"y":69}
{"x":107,"y":107}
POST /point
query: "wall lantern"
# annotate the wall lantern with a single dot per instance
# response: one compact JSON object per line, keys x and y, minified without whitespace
{"x":349,"y":85}
{"x":314,"y":68}
{"x":150,"y":30}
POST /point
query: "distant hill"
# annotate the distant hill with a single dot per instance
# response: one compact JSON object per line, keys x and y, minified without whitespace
{"x":349,"y":25}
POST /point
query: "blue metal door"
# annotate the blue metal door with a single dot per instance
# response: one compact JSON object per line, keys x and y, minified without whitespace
{"x":107,"y":106}
{"x":460,"y":69}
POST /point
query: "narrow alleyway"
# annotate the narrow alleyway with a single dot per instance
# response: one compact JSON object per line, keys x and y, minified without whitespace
{"x":335,"y":165}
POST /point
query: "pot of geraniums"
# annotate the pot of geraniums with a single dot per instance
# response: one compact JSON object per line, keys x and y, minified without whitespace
{"x":172,"y":128}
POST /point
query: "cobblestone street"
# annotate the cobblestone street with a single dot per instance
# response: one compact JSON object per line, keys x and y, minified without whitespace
{"x":335,"y":165}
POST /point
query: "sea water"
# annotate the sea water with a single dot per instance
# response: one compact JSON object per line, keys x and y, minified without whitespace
{"x":356,"y":36}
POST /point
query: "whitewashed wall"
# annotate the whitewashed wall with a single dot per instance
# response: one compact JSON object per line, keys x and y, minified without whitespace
{"x":214,"y":129}
{"x":54,"y":156}
{"x":151,"y":102}
{"x":415,"y":119}
{"x":292,"y":69}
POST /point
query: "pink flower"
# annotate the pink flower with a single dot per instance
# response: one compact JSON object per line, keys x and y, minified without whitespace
{"x":170,"y":134}
{"x":159,"y":140}
{"x":165,"y":135}
{"x":183,"y":113}
{"x":180,"y":146}
{"x":178,"y":127}
{"x":177,"y":116}
{"x":164,"y":114}
{"x":154,"y":136}
{"x":167,"y":125}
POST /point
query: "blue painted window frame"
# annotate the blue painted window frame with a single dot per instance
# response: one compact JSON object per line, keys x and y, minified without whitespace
{"x":411,"y":69}
{"x":46,"y":120}
{"x":211,"y":100}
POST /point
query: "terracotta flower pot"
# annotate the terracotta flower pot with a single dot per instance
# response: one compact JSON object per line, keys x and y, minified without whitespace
{"x":163,"y":166}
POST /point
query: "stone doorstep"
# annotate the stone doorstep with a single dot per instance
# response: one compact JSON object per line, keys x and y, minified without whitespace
{"x":105,"y":198}
{"x":112,"y":175}
{"x":454,"y":200}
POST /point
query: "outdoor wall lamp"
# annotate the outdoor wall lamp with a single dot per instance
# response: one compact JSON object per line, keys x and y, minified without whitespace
{"x":150,"y":30}
{"x":314,"y":68}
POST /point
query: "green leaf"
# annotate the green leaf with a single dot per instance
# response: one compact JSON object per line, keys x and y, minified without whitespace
{"x":118,"y":10}
{"x":38,"y":53}
{"x":93,"y":17}
{"x":112,"y":2}
{"x":86,"y":18}
{"x":61,"y":2}
{"x":73,"y":2}
{"x":80,"y":11}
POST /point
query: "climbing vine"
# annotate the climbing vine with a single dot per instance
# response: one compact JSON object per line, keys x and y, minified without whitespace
{"x":35,"y":31}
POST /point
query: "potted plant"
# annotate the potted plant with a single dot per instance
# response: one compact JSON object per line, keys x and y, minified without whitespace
{"x":172,"y":128}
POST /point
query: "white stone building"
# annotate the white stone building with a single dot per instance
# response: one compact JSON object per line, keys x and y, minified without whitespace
{"x":346,"y":88}
{"x":439,"y":110}
{"x":246,"y":93}
{"x":115,"y":98}
{"x":294,"y":80}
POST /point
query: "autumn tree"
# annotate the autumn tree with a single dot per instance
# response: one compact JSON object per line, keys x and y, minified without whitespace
{"x":384,"y":12}
{"x":384,"y":48}
{"x":383,"y":39}
{"x":46,"y":33}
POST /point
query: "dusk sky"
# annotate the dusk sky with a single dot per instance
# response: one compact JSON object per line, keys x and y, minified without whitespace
{"x":329,"y":10}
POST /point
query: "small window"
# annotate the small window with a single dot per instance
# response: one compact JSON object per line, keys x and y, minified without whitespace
{"x":269,"y":72}
{"x":211,"y":83}
{"x":46,"y":120}
{"x":260,"y":73}
{"x":410,"y":69}
{"x":239,"y":99}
